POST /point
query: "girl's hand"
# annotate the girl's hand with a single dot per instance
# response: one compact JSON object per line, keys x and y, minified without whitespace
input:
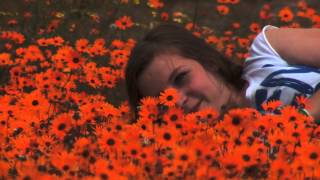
{"x":314,"y":102}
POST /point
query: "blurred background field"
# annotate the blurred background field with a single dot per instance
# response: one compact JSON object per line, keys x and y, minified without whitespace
{"x":230,"y":21}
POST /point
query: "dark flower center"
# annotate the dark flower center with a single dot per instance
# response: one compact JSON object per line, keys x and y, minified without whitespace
{"x":313,"y":155}
{"x":174,"y":117}
{"x":62,"y":126}
{"x":35,"y":102}
{"x":167,"y":136}
{"x":184,"y":157}
{"x":236,"y":121}
{"x":246,"y":157}
{"x":75,"y":60}
{"x":111,"y":142}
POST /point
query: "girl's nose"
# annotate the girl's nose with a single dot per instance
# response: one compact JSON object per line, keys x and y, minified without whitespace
{"x":183,"y":98}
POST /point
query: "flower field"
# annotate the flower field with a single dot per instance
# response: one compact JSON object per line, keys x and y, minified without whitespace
{"x":63,"y":108}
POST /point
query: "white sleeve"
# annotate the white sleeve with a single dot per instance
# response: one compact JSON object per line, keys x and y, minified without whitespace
{"x":261,"y":53}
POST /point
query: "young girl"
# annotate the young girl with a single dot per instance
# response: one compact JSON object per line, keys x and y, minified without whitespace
{"x":283,"y":64}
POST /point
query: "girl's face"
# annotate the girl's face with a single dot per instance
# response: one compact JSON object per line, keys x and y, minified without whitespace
{"x":197,"y":87}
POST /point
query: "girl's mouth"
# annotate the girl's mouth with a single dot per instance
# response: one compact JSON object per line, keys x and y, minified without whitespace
{"x":196,"y":107}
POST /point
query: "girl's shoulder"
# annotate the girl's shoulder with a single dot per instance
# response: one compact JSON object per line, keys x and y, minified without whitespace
{"x":262,"y":53}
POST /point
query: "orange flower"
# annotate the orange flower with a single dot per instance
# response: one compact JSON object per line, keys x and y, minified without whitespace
{"x":119,"y":57}
{"x":35,"y":101}
{"x":42,"y":42}
{"x":280,"y":168}
{"x":53,"y":25}
{"x":255,"y":27}
{"x":20,"y":51}
{"x":99,"y":42}
{"x":124,"y":22}
{"x":277,"y":138}
{"x":173,"y":115}
{"x":198,"y":34}
{"x":149,"y":113}
{"x":22,"y":143}
{"x":132,"y":148}
{"x":145,"y":127}
{"x":236,"y":25}
{"x":265,"y":12}
{"x":104,"y":169}
{"x":8,"y":46}
{"x":97,"y":50}
{"x":209,"y":115}
{"x":271,"y":105}
{"x":212,"y":39}
{"x":243,"y":42}
{"x":149,"y":101}
{"x":5,"y":168}
{"x":130,"y":43}
{"x":12,"y":22}
{"x":33,"y":53}
{"x":74,"y":60}
{"x":56,"y":41}
{"x":164,"y":16}
{"x":64,"y":160}
{"x":117,"y":43}
{"x":169,"y":97}
{"x":303,"y":102}
{"x":45,"y":142}
{"x":119,"y":54}
{"x":230,"y":162}
{"x":149,"y":108}
{"x":108,"y":142}
{"x":12,"y":35}
{"x":156,"y":4}
{"x":82,"y":44}
{"x":5,"y":59}
{"x":286,"y":14}
{"x":184,"y":156}
{"x":61,"y":125}
{"x":309,"y":154}
{"x":223,"y":9}
{"x":125,"y":110}
{"x":190,"y":26}
{"x":234,"y":1}
{"x":293,"y":119}
{"x":247,"y":154}
{"x":235,"y":121}
{"x":167,"y":136}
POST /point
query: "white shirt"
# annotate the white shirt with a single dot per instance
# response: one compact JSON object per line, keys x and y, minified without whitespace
{"x":271,"y":77}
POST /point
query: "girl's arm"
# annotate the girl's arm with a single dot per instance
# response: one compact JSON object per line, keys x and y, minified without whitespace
{"x":314,"y":102}
{"x":296,"y":45}
{"x":301,"y":47}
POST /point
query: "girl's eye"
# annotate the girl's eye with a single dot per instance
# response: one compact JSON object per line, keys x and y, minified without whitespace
{"x":180,"y":78}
